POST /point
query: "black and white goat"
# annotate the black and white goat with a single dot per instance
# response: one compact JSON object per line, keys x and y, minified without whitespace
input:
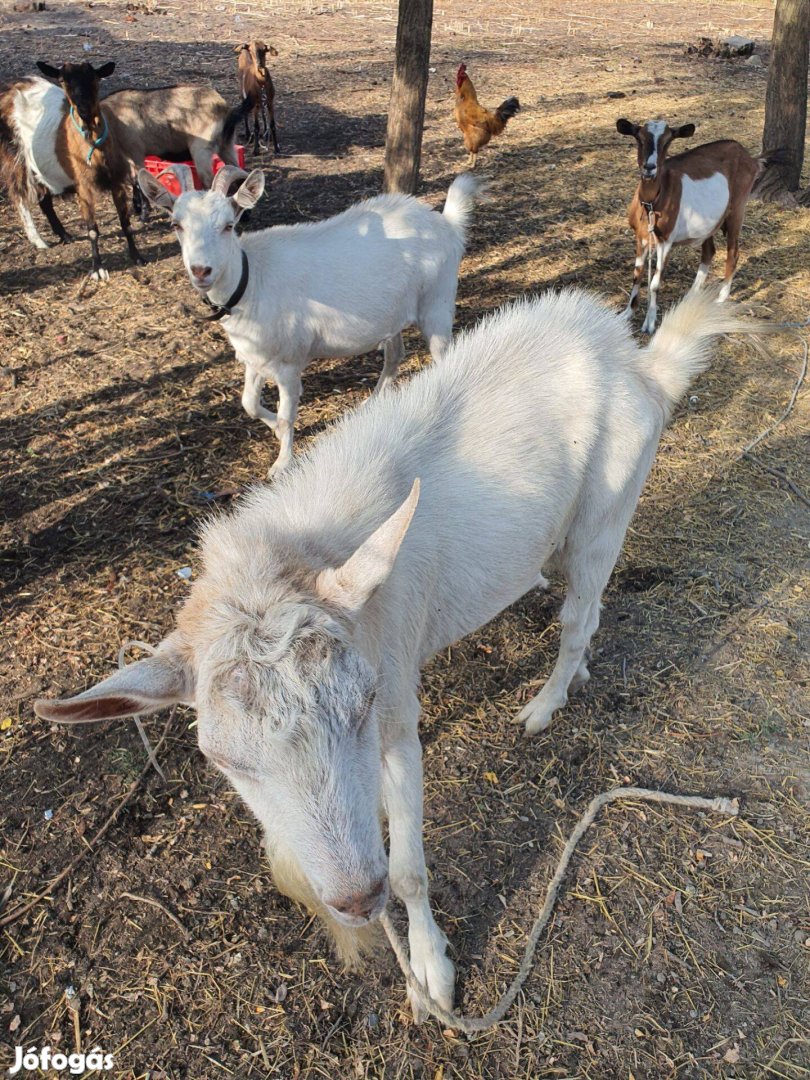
{"x":685,"y":199}
{"x":56,"y":138}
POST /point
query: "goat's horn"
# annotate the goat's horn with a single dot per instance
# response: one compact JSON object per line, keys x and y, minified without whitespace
{"x":185,"y":177}
{"x":226,"y":176}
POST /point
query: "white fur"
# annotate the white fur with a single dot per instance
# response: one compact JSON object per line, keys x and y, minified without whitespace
{"x":703,"y":206}
{"x":532,"y":438}
{"x":656,"y":128}
{"x":39,"y":109}
{"x":335,"y":288}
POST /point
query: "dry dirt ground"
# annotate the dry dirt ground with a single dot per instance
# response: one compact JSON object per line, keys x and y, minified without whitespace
{"x":681,"y":947}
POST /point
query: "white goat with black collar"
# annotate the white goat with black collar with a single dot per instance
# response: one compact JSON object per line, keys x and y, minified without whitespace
{"x":334,"y":288}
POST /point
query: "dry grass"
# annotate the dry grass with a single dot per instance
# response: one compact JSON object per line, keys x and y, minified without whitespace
{"x":681,"y":946}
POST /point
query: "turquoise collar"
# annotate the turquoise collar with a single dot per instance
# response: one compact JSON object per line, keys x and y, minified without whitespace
{"x":95,"y":144}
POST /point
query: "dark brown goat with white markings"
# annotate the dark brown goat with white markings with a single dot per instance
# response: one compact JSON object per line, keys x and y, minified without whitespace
{"x":55,"y":139}
{"x":255,"y":82}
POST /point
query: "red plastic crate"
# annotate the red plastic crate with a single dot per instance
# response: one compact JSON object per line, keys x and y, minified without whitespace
{"x":156,"y":166}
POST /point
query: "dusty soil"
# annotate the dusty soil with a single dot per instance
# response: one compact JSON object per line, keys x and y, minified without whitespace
{"x":682,"y":943}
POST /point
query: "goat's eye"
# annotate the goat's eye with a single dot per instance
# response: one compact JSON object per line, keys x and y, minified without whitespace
{"x":177,"y":226}
{"x":228,"y":228}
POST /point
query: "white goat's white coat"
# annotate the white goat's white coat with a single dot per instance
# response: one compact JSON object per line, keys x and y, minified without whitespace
{"x":38,"y":114}
{"x":532,"y":439}
{"x":334,"y":288}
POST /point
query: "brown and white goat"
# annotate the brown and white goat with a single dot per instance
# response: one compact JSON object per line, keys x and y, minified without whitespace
{"x":255,"y":83}
{"x":55,"y":139}
{"x":685,"y":199}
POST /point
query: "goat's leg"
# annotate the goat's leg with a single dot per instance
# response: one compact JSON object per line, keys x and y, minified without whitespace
{"x":642,"y":245}
{"x":276,"y":147}
{"x":256,"y":124}
{"x":288,"y":380}
{"x":403,"y":798}
{"x":707,"y":251}
{"x":662,"y":250}
{"x":29,"y":225}
{"x":732,"y":228}
{"x":437,"y":322}
{"x":587,"y":566}
{"x":87,"y":209}
{"x":252,"y":396}
{"x":119,"y":194}
{"x":59,"y":230}
{"x":394,"y":351}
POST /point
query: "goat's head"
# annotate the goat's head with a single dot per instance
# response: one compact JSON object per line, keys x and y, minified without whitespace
{"x":258,"y":52}
{"x":80,"y":84}
{"x":285,"y":702}
{"x":653,"y":139}
{"x":461,"y":74}
{"x":204,"y":221}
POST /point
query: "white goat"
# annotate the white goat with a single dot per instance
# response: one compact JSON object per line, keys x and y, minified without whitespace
{"x":321,"y":598}
{"x":335,"y":288}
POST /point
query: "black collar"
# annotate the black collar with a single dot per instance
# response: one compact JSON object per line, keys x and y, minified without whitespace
{"x":221,"y":310}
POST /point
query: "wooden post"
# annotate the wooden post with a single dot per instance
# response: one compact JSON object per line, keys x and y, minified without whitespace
{"x":786,"y":96}
{"x":406,"y":114}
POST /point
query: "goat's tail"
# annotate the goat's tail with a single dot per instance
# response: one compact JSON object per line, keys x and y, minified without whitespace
{"x":769,"y":158}
{"x":682,"y":347}
{"x":460,"y":202}
{"x":232,"y":119}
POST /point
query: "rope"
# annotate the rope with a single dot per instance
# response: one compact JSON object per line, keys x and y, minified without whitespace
{"x":472,"y":1024}
{"x":83,"y":131}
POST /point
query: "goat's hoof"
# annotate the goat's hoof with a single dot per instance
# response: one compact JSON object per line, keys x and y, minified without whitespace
{"x":100,"y":275}
{"x":40,"y":245}
{"x":65,"y":238}
{"x":536,"y":715}
{"x":437,"y":975}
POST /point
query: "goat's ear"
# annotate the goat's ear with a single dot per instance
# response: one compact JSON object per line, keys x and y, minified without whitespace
{"x":625,"y":127}
{"x":105,"y":70}
{"x":349,"y":586}
{"x":155,"y":192}
{"x":238,"y":48}
{"x":249,"y":191}
{"x":46,"y":69}
{"x":146,"y":686}
{"x":686,"y":131}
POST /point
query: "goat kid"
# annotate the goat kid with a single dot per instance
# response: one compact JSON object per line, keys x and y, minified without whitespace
{"x":690,"y":196}
{"x":335,"y":288}
{"x":256,"y":84}
{"x":322,"y":597}
{"x":56,"y":138}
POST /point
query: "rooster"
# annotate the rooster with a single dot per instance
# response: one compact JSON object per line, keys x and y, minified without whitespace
{"x":476,"y":123}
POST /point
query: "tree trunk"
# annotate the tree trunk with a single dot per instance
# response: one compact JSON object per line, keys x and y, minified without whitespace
{"x":406,"y":113}
{"x":786,"y":96}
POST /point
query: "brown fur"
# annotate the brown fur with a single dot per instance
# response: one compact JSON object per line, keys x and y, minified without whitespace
{"x":725,"y":156}
{"x":255,"y":82}
{"x":107,"y":169}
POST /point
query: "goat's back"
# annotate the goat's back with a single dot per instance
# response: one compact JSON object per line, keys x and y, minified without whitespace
{"x":537,"y":410}
{"x":163,"y":120}
{"x":36,"y":111}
